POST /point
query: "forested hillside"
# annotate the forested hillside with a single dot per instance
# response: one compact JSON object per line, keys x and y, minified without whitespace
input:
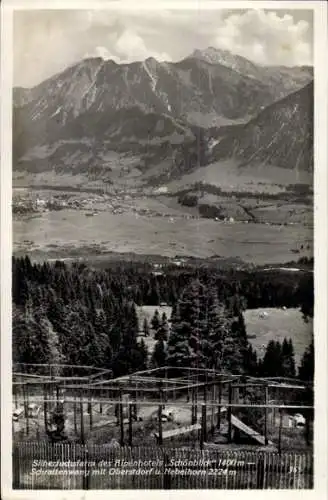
{"x":82,"y":316}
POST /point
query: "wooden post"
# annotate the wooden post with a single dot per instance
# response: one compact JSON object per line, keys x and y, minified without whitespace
{"x":57,"y":396}
{"x":236,"y":394}
{"x":37,"y":428}
{"x":88,"y":403}
{"x":219,"y":407}
{"x":86,"y":478}
{"x":15,"y":396}
{"x":120,"y":398}
{"x":26,"y":412}
{"x":160,"y":427}
{"x":45,"y":408}
{"x":130,"y":422}
{"x":266,"y":416}
{"x":74,"y":414}
{"x":82,"y":420}
{"x":260,"y":473}
{"x":192,"y":407}
{"x":307,"y":428}
{"x":203,"y":436}
{"x":100,"y":397}
{"x":90,"y":410}
{"x":213,"y":398}
{"x":166,"y":385}
{"x":229,"y":410}
{"x":161,"y":397}
{"x":280,"y":429}
{"x":166,"y":474}
{"x":121,"y":421}
{"x":204,"y":419}
{"x":134,"y":396}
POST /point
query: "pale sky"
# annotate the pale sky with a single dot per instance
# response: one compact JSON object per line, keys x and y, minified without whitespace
{"x":47,"y":41}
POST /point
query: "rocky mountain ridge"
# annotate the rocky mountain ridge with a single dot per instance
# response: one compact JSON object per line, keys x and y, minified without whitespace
{"x":159,"y":114}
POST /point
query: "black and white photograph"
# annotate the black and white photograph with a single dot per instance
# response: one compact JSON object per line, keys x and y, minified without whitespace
{"x":163,"y":247}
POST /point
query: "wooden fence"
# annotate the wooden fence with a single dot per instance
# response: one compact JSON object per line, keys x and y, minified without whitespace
{"x":75,"y":466}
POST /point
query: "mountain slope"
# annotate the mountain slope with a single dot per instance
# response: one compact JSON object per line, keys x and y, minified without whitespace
{"x":282,"y":79}
{"x":179,"y":89}
{"x":193,"y":89}
{"x":98,"y":99}
{"x":84,"y":144}
{"x":281,"y":135}
{"x":149,"y":113}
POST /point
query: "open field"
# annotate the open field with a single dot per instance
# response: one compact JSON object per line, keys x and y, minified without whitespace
{"x":230,"y":177}
{"x":224,"y":174}
{"x":148,"y":313}
{"x":68,"y":232}
{"x":276,"y":326}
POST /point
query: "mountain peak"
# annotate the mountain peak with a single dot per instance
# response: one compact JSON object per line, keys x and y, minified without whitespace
{"x":151,"y":60}
{"x":212,"y":51}
{"x":151,"y":63}
{"x":226,"y":58}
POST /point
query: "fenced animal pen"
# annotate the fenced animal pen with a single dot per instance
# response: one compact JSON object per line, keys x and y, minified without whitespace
{"x":168,"y":407}
{"x":201,"y":429}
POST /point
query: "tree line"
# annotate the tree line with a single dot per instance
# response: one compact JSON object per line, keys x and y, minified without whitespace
{"x":138,"y":282}
{"x":83,"y":316}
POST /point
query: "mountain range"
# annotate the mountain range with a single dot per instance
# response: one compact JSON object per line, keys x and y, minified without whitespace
{"x":164,"y":116}
{"x":281,"y":135}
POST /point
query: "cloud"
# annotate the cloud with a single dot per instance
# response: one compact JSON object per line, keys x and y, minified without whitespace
{"x":45,"y":42}
{"x":266,"y":38}
{"x":131,"y":46}
{"x":128,"y":47}
{"x":102,"y":52}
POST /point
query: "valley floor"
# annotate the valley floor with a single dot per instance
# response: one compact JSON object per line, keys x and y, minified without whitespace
{"x":69,"y":233}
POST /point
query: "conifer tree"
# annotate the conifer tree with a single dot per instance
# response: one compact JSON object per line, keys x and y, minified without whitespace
{"x":34,"y":340}
{"x":240,"y":337}
{"x":146,"y":328}
{"x":272,"y":361}
{"x":219,"y":327}
{"x":143,"y":355}
{"x":155,"y":322}
{"x":306,"y":369}
{"x":159,"y":356}
{"x":130,"y":356}
{"x":251,"y":366}
{"x":188,"y":332}
{"x":162,"y":332}
{"x":196,"y":310}
{"x":179,"y":352}
{"x":288,"y":360}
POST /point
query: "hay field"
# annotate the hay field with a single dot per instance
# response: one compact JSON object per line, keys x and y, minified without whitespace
{"x":276,"y":326}
{"x":69,"y":232}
